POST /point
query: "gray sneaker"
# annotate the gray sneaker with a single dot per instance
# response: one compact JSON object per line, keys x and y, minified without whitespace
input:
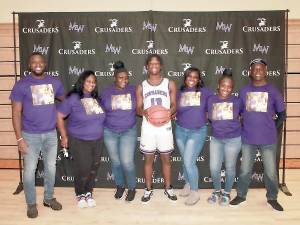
{"x":53,"y":204}
{"x":214,"y":198}
{"x":185,"y":191}
{"x":193,"y":198}
{"x":32,"y":211}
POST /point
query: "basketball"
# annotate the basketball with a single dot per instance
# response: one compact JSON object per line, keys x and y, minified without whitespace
{"x":158,"y":115}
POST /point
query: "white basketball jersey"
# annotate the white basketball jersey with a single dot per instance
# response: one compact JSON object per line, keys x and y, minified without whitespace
{"x":156,"y":95}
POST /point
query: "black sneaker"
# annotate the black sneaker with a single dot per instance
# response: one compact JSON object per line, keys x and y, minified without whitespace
{"x":275,"y":205}
{"x":130,"y":195}
{"x":237,"y":200}
{"x":169,"y":192}
{"x":119,"y":193}
{"x":32,"y":211}
{"x":147,"y":195}
{"x":53,"y":204}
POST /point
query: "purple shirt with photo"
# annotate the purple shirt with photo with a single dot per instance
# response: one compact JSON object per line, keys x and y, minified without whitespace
{"x":259,"y":106}
{"x":120,"y":108}
{"x":192,"y":107}
{"x":38,"y":102}
{"x":224,"y":116}
{"x":86,"y":117}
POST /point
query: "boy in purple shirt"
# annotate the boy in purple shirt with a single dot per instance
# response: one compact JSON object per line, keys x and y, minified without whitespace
{"x":34,"y":122}
{"x":261,"y":101}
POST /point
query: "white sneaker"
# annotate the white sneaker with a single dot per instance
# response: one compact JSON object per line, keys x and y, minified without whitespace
{"x":90,"y":200}
{"x":185,"y":191}
{"x":81,"y":202}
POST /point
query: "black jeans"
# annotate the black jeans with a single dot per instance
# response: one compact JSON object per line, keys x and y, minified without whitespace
{"x":86,"y":155}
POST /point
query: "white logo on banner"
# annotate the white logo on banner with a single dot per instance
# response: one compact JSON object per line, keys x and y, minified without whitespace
{"x":113,"y":49}
{"x":224,"y":50}
{"x":145,"y":71}
{"x":149,"y":26}
{"x":113,"y":28}
{"x":187,"y":27}
{"x":149,"y":49}
{"x":74,"y":70}
{"x":41,"y":49}
{"x":77,"y":50}
{"x":270,"y":73}
{"x":67,"y":178}
{"x":186,"y":49}
{"x":185,"y":66}
{"x":180,"y":176}
{"x":261,"y":27}
{"x":110,"y":176}
{"x":110,"y":71}
{"x":53,"y":73}
{"x":40,"y":28}
{"x":263,"y":49}
{"x":258,"y":177}
{"x":258,"y":156}
{"x":223,"y":26}
{"x":219,"y":70}
{"x":75,"y":27}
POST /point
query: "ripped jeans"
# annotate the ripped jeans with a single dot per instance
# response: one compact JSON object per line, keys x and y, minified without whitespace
{"x":86,"y":155}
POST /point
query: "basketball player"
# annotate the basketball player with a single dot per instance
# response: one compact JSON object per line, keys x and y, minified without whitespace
{"x":156,"y":90}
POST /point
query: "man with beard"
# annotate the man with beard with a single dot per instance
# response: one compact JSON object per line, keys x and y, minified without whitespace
{"x":261,"y":103}
{"x":34,"y":122}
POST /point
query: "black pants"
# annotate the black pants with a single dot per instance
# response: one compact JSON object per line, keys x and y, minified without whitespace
{"x":86,"y":155}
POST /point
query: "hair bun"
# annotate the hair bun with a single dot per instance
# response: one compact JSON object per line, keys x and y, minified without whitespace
{"x":227,"y":72}
{"x":118,"y":65}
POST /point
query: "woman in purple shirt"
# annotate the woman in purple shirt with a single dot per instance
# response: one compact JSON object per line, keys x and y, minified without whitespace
{"x":224,"y":114}
{"x":120,"y":135}
{"x":83,"y":135}
{"x":191,"y":129}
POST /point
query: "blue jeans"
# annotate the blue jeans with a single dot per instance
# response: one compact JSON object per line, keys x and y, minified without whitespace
{"x":47,"y":144}
{"x":121,"y":148}
{"x":190,"y":143}
{"x":224,"y":150}
{"x":268,"y":153}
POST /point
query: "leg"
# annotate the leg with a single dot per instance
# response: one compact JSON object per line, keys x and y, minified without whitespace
{"x":268,"y":153}
{"x":232,"y":150}
{"x":166,"y":169}
{"x":49,"y":151}
{"x":216,"y":154}
{"x":112,"y":143}
{"x":34,"y":142}
{"x":148,"y":170}
{"x":248,"y":157}
{"x":128,"y":142}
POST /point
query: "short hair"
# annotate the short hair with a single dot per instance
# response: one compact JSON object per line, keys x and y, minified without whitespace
{"x":150,"y":57}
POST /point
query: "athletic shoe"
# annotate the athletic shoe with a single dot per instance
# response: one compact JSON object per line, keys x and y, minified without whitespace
{"x":169,"y":192}
{"x":225,"y":199}
{"x":193,"y":198}
{"x":275,"y":205}
{"x":90,"y":200}
{"x":119,"y":192}
{"x":185,"y":191}
{"x":53,"y":204}
{"x":32,"y":211}
{"x":130,"y":195}
{"x":147,"y":195}
{"x":81,"y":202}
{"x":214,"y":198}
{"x":237,"y":200}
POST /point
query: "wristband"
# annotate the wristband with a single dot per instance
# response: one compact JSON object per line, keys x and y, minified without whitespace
{"x":20,"y":139}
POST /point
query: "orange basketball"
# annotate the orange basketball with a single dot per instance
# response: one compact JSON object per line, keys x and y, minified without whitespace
{"x":158,"y":115}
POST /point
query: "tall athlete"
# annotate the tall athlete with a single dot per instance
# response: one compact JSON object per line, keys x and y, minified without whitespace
{"x":156,"y":90}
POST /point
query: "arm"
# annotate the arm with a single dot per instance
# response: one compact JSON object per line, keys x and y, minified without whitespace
{"x":16,"y":120}
{"x":62,"y":129}
{"x":139,"y":101}
{"x":280,"y":118}
{"x":172,"y":89}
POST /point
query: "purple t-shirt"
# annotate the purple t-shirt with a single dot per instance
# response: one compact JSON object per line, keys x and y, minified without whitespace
{"x":224,"y":116}
{"x":192,"y":107}
{"x":86,"y":117}
{"x":38,"y":102}
{"x":259,"y":105}
{"x":120,"y":108}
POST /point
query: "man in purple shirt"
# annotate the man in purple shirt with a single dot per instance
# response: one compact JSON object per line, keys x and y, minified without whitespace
{"x":34,"y":122}
{"x":261,"y":102}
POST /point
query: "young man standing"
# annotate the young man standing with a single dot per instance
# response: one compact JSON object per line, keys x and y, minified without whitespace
{"x":34,"y":122}
{"x":156,"y":90}
{"x":261,"y":102}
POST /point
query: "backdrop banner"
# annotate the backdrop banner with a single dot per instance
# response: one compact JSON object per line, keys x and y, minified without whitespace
{"x":211,"y":41}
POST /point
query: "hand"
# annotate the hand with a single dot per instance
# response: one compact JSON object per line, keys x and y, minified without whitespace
{"x":64,"y":142}
{"x":22,"y":146}
{"x":145,"y":113}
